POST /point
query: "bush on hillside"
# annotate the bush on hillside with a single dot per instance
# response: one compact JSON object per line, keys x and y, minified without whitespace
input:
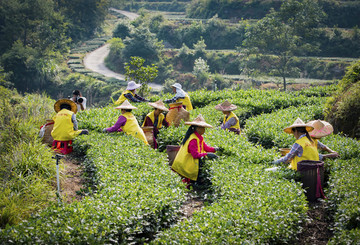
{"x":343,"y":109}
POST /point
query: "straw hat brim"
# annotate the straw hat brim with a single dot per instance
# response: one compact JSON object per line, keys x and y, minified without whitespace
{"x":199,"y":124}
{"x":288,"y":130}
{"x":65,"y":101}
{"x":126,"y":107}
{"x":230,"y":108}
{"x":163,"y":108}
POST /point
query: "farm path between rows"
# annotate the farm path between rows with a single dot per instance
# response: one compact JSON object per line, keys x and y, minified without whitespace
{"x":95,"y":60}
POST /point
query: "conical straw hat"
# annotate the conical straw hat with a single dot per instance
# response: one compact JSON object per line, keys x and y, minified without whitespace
{"x":65,"y":101}
{"x":225,"y":106}
{"x":297,"y":124}
{"x":321,"y":129}
{"x":126,"y":105}
{"x":159,"y":105}
{"x":199,"y":121}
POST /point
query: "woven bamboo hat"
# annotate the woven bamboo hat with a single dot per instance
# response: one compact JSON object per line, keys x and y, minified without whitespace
{"x":159,"y":105}
{"x":199,"y":121}
{"x":60,"y":102}
{"x":225,"y":106}
{"x":297,"y":124}
{"x":321,"y":129}
{"x":126,"y":105}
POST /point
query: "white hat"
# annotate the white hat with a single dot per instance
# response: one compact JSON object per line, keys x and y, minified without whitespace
{"x":177,"y":85}
{"x":132,"y":85}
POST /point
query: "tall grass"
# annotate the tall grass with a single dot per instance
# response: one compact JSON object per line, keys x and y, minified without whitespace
{"x":26,"y":165}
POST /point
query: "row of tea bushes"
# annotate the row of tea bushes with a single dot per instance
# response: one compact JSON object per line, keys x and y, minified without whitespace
{"x":344,"y":200}
{"x":135,"y":196}
{"x":267,"y":129}
{"x":250,"y":205}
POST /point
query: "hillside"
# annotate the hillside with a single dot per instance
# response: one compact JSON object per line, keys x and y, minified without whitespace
{"x":133,"y":196}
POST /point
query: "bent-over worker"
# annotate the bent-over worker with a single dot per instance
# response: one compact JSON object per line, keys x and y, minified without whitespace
{"x":180,"y":96}
{"x":65,"y":123}
{"x":130,"y":94}
{"x":230,"y":121}
{"x":156,"y":119}
{"x":304,"y":147}
{"x":193,"y":150}
{"x":127,"y":123}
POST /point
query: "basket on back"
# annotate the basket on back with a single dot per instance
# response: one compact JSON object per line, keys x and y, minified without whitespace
{"x":176,"y":114}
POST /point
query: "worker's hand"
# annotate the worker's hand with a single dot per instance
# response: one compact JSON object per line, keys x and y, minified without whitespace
{"x":84,"y":131}
{"x":104,"y":130}
{"x":211,"y":155}
{"x":218,"y":148}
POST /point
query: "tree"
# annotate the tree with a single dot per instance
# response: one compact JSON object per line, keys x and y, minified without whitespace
{"x":135,"y":70}
{"x":142,"y":43}
{"x":285,"y":33}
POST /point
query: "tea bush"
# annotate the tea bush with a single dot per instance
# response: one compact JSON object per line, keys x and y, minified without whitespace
{"x":133,"y":199}
{"x":250,"y":205}
{"x":343,"y":194}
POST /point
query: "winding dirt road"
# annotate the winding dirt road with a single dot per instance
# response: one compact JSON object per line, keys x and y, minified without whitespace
{"x":95,"y":60}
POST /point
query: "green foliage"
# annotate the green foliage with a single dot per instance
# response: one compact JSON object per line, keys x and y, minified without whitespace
{"x":135,"y":70}
{"x":133,"y":199}
{"x":123,"y":30}
{"x":342,"y":109}
{"x":344,"y":199}
{"x":26,"y":167}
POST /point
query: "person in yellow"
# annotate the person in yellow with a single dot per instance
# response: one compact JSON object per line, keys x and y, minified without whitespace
{"x":156,"y":119}
{"x":231,"y":121}
{"x":130,"y":94}
{"x":180,"y":96}
{"x":65,"y":123}
{"x":193,"y":150}
{"x":127,"y":123}
{"x":304,"y":147}
{"x":322,"y":129}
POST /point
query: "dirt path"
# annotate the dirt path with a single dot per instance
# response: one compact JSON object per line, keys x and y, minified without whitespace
{"x":95,"y":60}
{"x":71,"y":182}
{"x":316,"y":231}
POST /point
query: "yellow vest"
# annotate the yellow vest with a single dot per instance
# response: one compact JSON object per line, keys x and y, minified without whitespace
{"x":122,"y":97}
{"x":232,"y":114}
{"x":152,"y":117}
{"x":186,"y":102}
{"x":63,"y":126}
{"x":310,"y":152}
{"x":132,"y":127}
{"x":184,"y":163}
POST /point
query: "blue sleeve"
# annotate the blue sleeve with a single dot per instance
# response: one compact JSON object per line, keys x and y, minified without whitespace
{"x":74,"y":121}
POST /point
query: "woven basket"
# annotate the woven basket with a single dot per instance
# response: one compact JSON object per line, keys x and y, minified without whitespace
{"x":149,"y":134}
{"x":176,"y":114}
{"x":48,"y":139}
{"x":172,"y":151}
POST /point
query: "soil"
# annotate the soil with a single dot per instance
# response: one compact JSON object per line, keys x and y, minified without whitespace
{"x":192,"y":204}
{"x":316,"y":230}
{"x":71,"y":181}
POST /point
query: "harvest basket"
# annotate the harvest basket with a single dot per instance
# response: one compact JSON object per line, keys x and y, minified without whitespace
{"x":48,"y":139}
{"x":172,"y":151}
{"x":176,"y":114}
{"x":312,"y":178}
{"x":149,"y":134}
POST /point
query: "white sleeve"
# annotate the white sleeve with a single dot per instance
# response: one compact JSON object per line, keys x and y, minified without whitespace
{"x":84,"y":102}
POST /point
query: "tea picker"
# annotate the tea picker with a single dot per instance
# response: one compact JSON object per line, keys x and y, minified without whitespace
{"x":58,"y":157}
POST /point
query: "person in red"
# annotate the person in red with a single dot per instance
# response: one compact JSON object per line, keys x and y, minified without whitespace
{"x":156,"y":119}
{"x":193,"y":151}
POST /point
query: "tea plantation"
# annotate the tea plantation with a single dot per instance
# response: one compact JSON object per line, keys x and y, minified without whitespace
{"x":131,"y":195}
